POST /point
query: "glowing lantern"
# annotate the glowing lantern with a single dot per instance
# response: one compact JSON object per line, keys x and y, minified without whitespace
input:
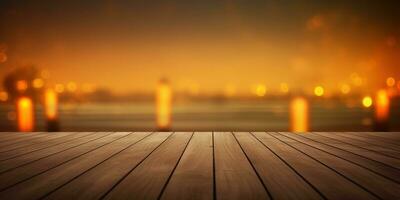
{"x":382,"y":104}
{"x":51,"y":104}
{"x":299,"y":118}
{"x":25,"y":114}
{"x":163,"y":105}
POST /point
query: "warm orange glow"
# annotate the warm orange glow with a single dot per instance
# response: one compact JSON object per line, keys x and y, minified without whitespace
{"x":22,"y":85}
{"x":51,"y":104}
{"x":163,"y":103}
{"x":284,"y":87}
{"x":261,"y":90}
{"x":59,"y":88}
{"x":230,"y":90}
{"x":390,"y":82}
{"x":382,"y":104}
{"x":319,"y":91}
{"x":3,"y":96}
{"x":345,"y":89}
{"x":71,"y":86}
{"x":25,"y":114}
{"x":367,"y":101}
{"x":299,"y":115}
{"x":38,"y":83}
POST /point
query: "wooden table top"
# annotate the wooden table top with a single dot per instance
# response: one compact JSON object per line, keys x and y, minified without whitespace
{"x":199,"y":165}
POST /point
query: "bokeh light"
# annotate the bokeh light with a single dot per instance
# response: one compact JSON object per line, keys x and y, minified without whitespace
{"x":367,"y":101}
{"x":319,"y":91}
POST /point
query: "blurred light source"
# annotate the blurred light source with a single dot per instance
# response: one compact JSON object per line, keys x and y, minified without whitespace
{"x":25,"y":114}
{"x":284,"y":87}
{"x":382,"y":103}
{"x":390,"y":82}
{"x":299,"y":118}
{"x":71,"y":86}
{"x":59,"y":88}
{"x":51,"y":104}
{"x":261,"y":90}
{"x":319,"y":91}
{"x":22,"y":85}
{"x":3,"y":96}
{"x":163,"y":105}
{"x":367,"y":101}
{"x":230,"y":90}
{"x":345,"y":88}
{"x":45,"y":74}
{"x":38,"y":83}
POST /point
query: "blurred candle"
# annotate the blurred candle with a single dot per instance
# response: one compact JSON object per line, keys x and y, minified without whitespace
{"x":25,"y":114}
{"x":51,"y":110}
{"x":382,"y":104}
{"x":51,"y":104}
{"x":299,"y":115}
{"x":163,"y":105}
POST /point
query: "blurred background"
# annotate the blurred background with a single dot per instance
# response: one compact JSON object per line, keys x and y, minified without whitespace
{"x":231,"y":65}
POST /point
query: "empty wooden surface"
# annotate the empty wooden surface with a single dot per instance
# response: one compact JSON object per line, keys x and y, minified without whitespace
{"x":200,"y":165}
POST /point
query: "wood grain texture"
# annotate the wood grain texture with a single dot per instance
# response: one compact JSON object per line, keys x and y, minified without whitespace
{"x":194,"y":173}
{"x":95,"y":183}
{"x":40,"y":185}
{"x":328,"y":182}
{"x":377,"y":167}
{"x":373,"y":183}
{"x":376,"y":156}
{"x":149,"y":178}
{"x":234,"y":175}
{"x":201,"y":165}
{"x":364,"y":145}
{"x":277,"y":176}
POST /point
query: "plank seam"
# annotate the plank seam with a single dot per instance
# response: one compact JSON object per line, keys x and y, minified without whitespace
{"x":134,"y":167}
{"x":173,"y":170}
{"x":380,"y":153}
{"x":373,"y":171}
{"x":61,"y":164}
{"x":108,"y":158}
{"x":42,"y":136}
{"x":254,"y":169}
{"x":362,"y":141}
{"x":42,"y":148}
{"x":342,"y":175}
{"x":291,"y":167}
{"x":52,"y":154}
{"x":387,"y":165}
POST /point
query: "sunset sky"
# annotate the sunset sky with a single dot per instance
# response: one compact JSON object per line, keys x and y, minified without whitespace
{"x":129,"y":45}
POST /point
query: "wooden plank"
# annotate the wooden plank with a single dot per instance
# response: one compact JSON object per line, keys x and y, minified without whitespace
{"x":386,"y":135}
{"x":40,"y":185}
{"x":147,"y":180}
{"x":234,"y":176}
{"x":95,"y":183}
{"x":31,"y":139}
{"x":193,"y":177}
{"x":378,"y":149}
{"x":12,"y":136}
{"x":53,"y":137}
{"x":27,"y":171}
{"x":281,"y":181}
{"x":373,"y":183}
{"x":389,"y":137}
{"x":9,"y":164}
{"x":377,"y":167}
{"x":326,"y":181}
{"x":370,"y":141}
{"x":43,"y":145}
{"x":392,"y":162}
